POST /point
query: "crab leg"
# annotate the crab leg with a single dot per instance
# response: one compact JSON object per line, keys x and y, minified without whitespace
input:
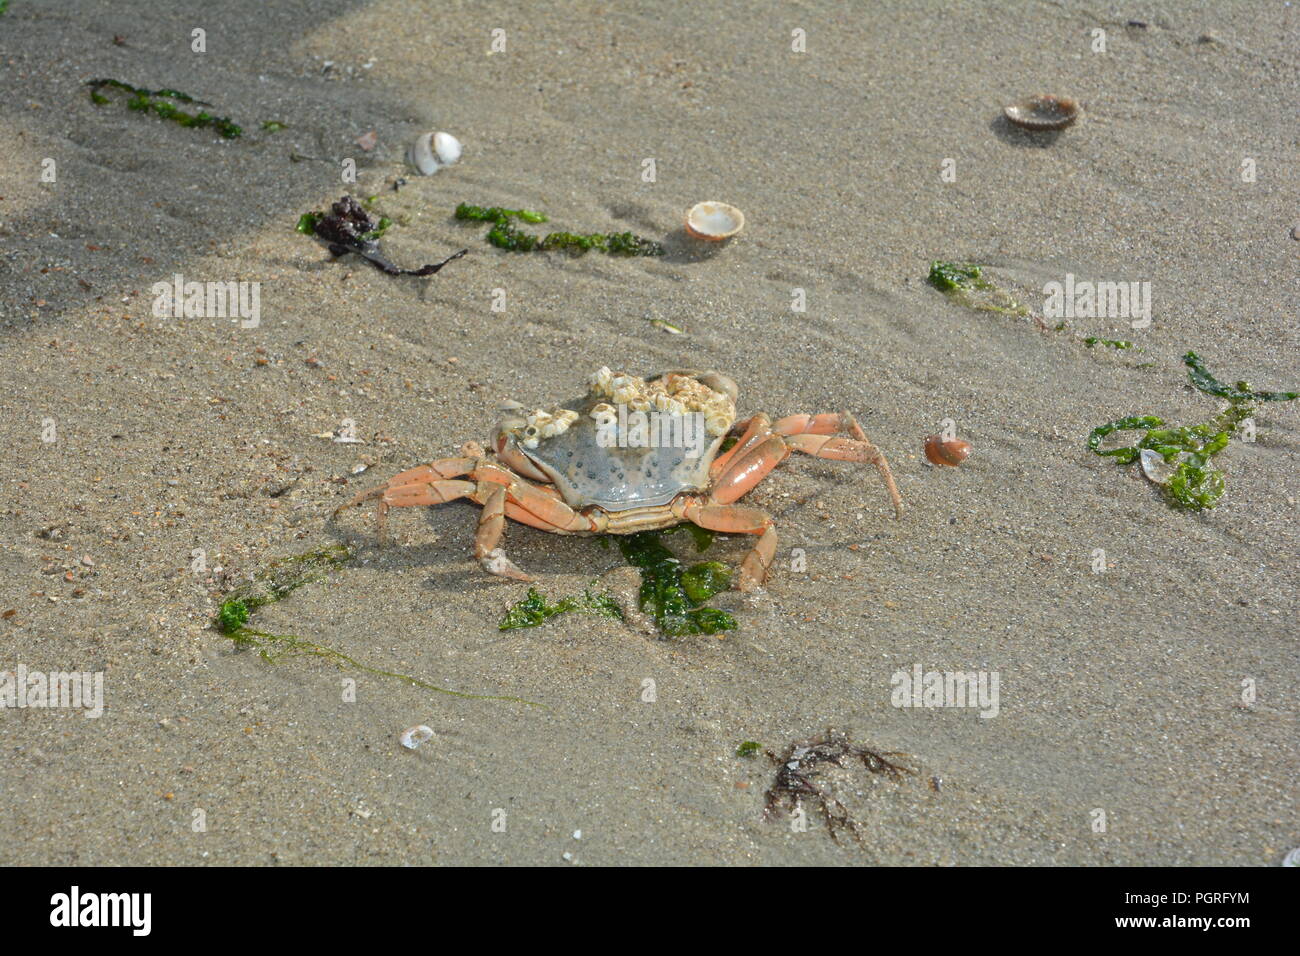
{"x":739,"y":476}
{"x":742,"y":474}
{"x":737,"y":519}
{"x":803,"y":433}
{"x":424,"y":485}
{"x":491,"y":525}
{"x":827,"y":423}
{"x":542,"y":507}
{"x":848,"y":449}
{"x":751,"y":433}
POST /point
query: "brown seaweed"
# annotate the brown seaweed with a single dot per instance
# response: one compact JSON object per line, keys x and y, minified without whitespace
{"x":797,"y":773}
{"x":347,"y":227}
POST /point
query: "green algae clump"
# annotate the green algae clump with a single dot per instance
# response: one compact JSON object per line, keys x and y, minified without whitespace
{"x":664,"y":594}
{"x":702,"y":581}
{"x":535,"y":609}
{"x":234,"y":614}
{"x":1193,"y":481}
{"x":966,"y":285}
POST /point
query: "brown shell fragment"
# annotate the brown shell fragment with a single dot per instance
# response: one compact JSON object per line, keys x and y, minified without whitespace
{"x":1043,"y":111}
{"x":951,"y":452}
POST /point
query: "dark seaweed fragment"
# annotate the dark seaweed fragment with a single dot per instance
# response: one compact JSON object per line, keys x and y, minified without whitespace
{"x":798,"y":772}
{"x":347,"y":227}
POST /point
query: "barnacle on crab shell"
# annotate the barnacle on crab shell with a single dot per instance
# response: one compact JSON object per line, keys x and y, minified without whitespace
{"x":532,"y":426}
{"x":676,"y":393}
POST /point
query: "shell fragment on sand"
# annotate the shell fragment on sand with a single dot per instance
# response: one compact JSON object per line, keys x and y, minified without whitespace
{"x":714,"y":221}
{"x":1043,"y":112}
{"x":412,"y":737}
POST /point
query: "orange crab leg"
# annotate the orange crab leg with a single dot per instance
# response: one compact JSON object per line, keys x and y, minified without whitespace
{"x":744,"y":473}
{"x":544,"y":508}
{"x":827,"y":423}
{"x":491,"y":525}
{"x":737,"y":519}
{"x":755,"y":430}
{"x":848,"y":449}
{"x":423,"y":485}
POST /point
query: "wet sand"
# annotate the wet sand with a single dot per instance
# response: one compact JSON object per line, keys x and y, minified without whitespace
{"x":1119,"y":691}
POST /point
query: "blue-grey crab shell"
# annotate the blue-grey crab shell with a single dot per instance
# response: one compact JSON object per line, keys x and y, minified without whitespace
{"x":618,"y":478}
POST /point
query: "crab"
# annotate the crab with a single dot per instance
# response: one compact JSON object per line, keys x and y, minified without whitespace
{"x":606,"y":463}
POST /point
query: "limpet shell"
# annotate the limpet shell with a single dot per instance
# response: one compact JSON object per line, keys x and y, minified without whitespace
{"x":1043,"y":111}
{"x":714,"y":221}
{"x":951,"y":452}
{"x":432,"y":151}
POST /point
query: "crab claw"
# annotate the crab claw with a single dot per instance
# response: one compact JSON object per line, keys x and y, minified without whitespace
{"x":496,"y":562}
{"x":487,"y":541}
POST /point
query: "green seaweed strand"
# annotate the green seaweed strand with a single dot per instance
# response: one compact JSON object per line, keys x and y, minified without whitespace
{"x":155,"y":101}
{"x":1202,"y":379}
{"x":496,"y":214}
{"x":504,"y":234}
{"x":1125,"y":455}
{"x":283,"y":577}
{"x":273,"y":647}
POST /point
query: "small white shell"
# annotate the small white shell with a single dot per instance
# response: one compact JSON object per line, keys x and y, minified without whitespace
{"x":714,"y":221}
{"x":432,"y":151}
{"x":412,"y":737}
{"x":1156,"y":468}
